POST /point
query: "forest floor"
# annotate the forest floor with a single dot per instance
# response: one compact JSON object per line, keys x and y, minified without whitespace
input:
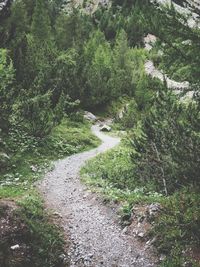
{"x":91,"y":227}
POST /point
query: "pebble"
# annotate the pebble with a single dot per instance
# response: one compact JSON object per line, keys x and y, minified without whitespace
{"x":15,"y":247}
{"x":140,"y":234}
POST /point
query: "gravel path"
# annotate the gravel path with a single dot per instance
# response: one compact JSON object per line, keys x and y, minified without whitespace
{"x":95,"y":237}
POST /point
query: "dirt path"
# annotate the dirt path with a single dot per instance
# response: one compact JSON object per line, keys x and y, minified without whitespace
{"x":95,"y":237}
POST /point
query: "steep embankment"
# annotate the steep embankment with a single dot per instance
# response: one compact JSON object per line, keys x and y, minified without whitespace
{"x":151,"y":70}
{"x":189,"y":8}
{"x":95,"y":237}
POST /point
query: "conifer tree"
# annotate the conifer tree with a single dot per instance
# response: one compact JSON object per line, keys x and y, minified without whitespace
{"x":40,"y":27}
{"x":6,"y":89}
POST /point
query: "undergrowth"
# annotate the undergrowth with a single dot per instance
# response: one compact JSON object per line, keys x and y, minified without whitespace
{"x":176,"y":229}
{"x":39,"y":241}
{"x":30,"y":157}
{"x":45,"y":239}
{"x":111,"y":174}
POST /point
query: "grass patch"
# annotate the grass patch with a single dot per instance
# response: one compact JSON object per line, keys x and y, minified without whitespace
{"x":46,"y":240}
{"x":111,"y":174}
{"x":31,"y":157}
{"x":40,"y":243}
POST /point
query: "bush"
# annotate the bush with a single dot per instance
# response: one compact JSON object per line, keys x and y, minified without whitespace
{"x":177,"y":228}
{"x":130,"y":115}
{"x":166,"y":144}
{"x":38,"y":115}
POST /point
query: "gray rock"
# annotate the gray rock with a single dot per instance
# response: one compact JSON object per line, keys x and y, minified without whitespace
{"x":154,"y":207}
{"x":15,"y":247}
{"x":153,"y":210}
{"x":126,"y":223}
{"x":125,"y":230}
{"x":141,"y":234}
{"x":105,"y":128}
{"x":89,"y":116}
{"x":57,"y":214}
{"x":33,"y":168}
{"x":151,"y":241}
{"x":162,"y":257}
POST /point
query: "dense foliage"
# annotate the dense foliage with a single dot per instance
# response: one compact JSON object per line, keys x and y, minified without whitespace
{"x":56,"y":59}
{"x":166,"y":144}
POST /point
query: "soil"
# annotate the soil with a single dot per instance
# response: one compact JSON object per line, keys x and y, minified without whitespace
{"x":14,"y":237}
{"x":96,"y":239}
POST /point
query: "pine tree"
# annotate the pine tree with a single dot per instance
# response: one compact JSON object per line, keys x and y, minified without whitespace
{"x":121,"y":50}
{"x":40,"y":27}
{"x":19,"y":29}
{"x":97,"y":70}
{"x":122,"y":81}
{"x":6,"y":89}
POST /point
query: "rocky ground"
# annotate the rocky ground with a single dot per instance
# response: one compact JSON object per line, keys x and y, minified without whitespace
{"x":96,"y":238}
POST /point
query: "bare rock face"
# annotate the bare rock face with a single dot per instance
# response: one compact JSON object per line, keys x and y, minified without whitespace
{"x":189,"y":8}
{"x":194,"y":4}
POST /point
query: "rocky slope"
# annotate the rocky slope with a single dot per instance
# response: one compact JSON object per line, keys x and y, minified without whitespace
{"x":189,"y":8}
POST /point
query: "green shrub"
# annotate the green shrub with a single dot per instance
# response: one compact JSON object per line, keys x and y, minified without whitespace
{"x":38,"y":115}
{"x":113,"y":166}
{"x":177,"y":227}
{"x":166,"y":144}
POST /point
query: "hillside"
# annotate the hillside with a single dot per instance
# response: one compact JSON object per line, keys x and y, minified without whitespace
{"x":70,"y":194}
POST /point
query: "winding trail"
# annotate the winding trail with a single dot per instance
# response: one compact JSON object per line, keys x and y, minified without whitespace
{"x":95,"y":237}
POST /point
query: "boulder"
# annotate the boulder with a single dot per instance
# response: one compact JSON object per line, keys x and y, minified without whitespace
{"x":141,"y":234}
{"x":153,"y":211}
{"x":105,"y":128}
{"x":89,"y":116}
